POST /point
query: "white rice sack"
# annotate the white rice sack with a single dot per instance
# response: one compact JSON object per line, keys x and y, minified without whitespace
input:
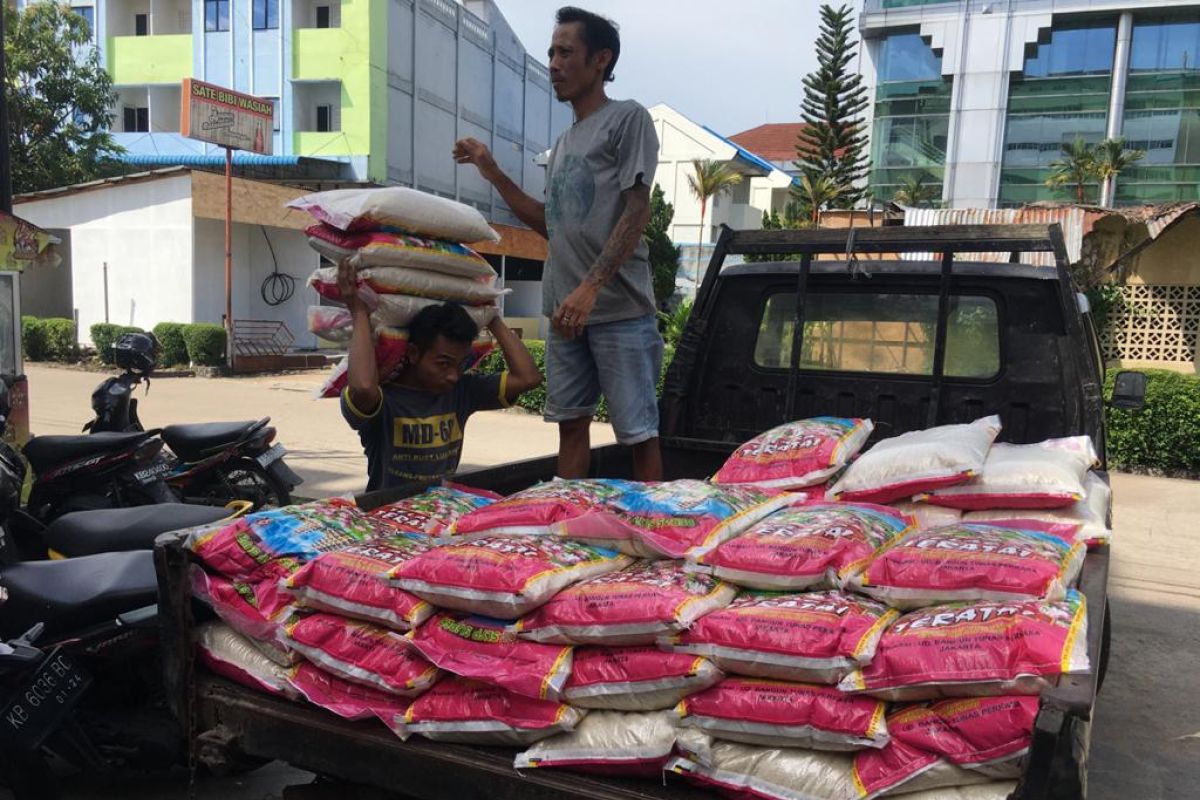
{"x":771,"y":773}
{"x":406,"y":280}
{"x":997,"y":790}
{"x":234,"y":656}
{"x":397,"y":207}
{"x":1048,"y":474}
{"x":917,"y":462}
{"x":610,"y":743}
{"x":335,"y":323}
{"x":1091,"y":513}
{"x":928,"y":516}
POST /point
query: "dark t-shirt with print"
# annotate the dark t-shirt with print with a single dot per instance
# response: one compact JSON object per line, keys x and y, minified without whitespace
{"x":417,"y":436}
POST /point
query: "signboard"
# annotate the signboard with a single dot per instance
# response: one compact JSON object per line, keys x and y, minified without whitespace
{"x":22,"y":244}
{"x":227,"y":118}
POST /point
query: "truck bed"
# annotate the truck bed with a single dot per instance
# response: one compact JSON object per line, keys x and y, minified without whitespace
{"x":259,"y":725}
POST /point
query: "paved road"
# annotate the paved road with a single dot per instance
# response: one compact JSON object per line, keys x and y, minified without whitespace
{"x":1146,"y":734}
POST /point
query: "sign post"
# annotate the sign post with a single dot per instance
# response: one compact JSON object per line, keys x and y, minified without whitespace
{"x":234,"y":121}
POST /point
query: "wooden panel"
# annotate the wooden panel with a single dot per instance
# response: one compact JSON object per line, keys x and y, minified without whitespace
{"x":254,"y":202}
{"x":517,"y":242}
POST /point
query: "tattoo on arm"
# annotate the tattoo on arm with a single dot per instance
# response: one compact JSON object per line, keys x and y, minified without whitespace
{"x":624,"y":238}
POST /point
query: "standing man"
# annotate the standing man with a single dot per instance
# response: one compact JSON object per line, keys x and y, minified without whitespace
{"x":596,"y":289}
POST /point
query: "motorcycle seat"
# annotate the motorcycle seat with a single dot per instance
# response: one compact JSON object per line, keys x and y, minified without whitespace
{"x":46,"y":452}
{"x":75,"y":593}
{"x":111,"y":530}
{"x":193,"y":442}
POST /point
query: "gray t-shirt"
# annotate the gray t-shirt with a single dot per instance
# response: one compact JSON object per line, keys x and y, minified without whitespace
{"x":613,"y":149}
{"x":417,"y":436}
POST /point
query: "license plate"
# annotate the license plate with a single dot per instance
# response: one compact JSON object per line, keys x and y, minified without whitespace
{"x":268,"y":458}
{"x":39,"y":705}
{"x":152,"y":473}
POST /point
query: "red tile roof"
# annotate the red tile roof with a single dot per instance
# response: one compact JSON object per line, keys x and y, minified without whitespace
{"x":775,"y":141}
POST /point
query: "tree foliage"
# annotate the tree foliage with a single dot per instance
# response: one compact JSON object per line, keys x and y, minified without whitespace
{"x":1082,"y":164}
{"x":709,"y":179}
{"x":833,"y":143}
{"x":59,"y":99}
{"x":664,"y":254}
{"x":914,"y":191}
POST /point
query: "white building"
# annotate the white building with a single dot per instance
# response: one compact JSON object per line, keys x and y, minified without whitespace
{"x":979,"y":96}
{"x":764,"y":186}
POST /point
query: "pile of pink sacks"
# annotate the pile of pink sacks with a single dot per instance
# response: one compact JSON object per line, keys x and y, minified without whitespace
{"x":409,"y":251}
{"x":818,"y":620}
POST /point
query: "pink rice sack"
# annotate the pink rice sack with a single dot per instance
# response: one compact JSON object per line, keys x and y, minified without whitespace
{"x":538,"y":509}
{"x":410,"y":282}
{"x":917,"y":462}
{"x":348,"y":700}
{"x":353,"y":582}
{"x":336,"y":324}
{"x":359,"y":652}
{"x":391,"y":345}
{"x":1019,"y":560}
{"x":249,"y":548}
{"x":630,"y":607}
{"x":635,"y":678}
{"x":1048,"y":474}
{"x":1090,"y":514}
{"x":818,"y":637}
{"x":676,"y":519}
{"x":780,"y":714}
{"x":805,"y":547}
{"x":977,"y":649}
{"x":480,"y":648}
{"x":619,"y":743}
{"x":796,"y":454}
{"x":468,"y":712}
{"x":397,"y":249}
{"x":502,"y":576}
{"x":231,"y":655}
{"x":397,"y":207}
{"x":433,"y":512}
{"x":254,"y":609}
{"x":988,"y":735}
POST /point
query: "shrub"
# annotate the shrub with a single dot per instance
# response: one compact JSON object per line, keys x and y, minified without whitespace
{"x":104,"y":335}
{"x":205,"y":344}
{"x":58,"y":335}
{"x":1165,"y":435}
{"x":33,"y":338}
{"x":174,"y":348}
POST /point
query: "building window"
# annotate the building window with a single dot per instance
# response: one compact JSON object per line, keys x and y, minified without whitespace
{"x":141,"y":24}
{"x":216,"y":15}
{"x":266,"y":14}
{"x":912,"y":115}
{"x":136,"y":120}
{"x":89,"y":16}
{"x":323,"y":16}
{"x":327,"y":118}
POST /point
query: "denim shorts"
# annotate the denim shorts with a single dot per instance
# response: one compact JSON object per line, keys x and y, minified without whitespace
{"x":621,"y":359}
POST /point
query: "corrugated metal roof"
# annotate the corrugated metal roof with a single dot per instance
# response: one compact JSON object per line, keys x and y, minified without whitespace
{"x":240,"y":159}
{"x":1074,"y":220}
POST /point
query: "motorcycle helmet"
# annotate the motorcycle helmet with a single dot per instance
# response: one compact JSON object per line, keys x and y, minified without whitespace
{"x":137,"y":352}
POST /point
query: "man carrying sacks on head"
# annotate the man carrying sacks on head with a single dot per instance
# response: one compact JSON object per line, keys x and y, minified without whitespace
{"x":412,"y":427}
{"x":597,"y":289}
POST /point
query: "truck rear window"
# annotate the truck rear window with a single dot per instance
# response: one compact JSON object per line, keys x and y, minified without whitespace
{"x":888,"y":333}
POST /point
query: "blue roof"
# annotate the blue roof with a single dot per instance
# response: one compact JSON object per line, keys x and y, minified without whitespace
{"x":745,"y":154}
{"x":240,"y":159}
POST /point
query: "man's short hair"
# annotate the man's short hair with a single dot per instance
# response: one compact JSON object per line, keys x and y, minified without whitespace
{"x":448,"y":320}
{"x":599,"y":33}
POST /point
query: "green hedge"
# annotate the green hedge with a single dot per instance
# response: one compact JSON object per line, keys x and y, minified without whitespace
{"x":174,"y":348}
{"x":205,"y":344}
{"x":1165,"y":435}
{"x":50,"y":339}
{"x":105,"y":334}
{"x":535,"y":400}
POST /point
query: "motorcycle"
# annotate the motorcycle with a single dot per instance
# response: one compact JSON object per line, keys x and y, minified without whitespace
{"x":212,"y":462}
{"x":80,"y":676}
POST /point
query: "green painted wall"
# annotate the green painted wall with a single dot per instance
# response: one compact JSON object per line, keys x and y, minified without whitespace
{"x":141,"y":60}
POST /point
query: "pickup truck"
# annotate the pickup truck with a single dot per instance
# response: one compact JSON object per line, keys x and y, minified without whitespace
{"x":830,"y":326}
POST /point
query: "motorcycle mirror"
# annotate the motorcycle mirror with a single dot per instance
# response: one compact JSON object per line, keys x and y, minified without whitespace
{"x":30,"y":636}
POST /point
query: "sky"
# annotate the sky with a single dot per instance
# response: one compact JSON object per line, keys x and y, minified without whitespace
{"x":728,"y":64}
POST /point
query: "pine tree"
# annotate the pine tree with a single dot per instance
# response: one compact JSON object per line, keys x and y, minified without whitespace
{"x":833,"y":143}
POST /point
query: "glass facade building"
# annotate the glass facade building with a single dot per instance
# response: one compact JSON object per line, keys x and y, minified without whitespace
{"x":911,"y":115}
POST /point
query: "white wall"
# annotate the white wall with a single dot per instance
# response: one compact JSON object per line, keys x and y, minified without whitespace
{"x":143,"y":231}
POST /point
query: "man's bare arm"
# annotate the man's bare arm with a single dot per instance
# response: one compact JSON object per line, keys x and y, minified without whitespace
{"x":528,"y":210}
{"x":571,"y":316}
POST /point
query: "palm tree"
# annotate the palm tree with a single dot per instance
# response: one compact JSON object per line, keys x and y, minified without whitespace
{"x":1111,"y":158}
{"x":914,"y":191}
{"x":1075,"y":168}
{"x":815,"y":192}
{"x":711,"y":178}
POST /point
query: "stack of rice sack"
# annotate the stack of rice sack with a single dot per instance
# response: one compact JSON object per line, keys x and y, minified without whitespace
{"x":408,"y":250}
{"x":787,"y":629}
